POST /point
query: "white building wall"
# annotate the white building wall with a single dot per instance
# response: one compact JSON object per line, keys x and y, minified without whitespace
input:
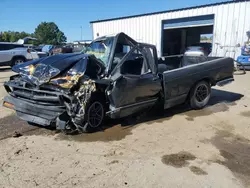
{"x":231,"y":24}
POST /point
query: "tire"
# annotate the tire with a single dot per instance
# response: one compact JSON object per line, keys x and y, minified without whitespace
{"x":93,"y":122}
{"x":200,"y":95}
{"x":17,"y":61}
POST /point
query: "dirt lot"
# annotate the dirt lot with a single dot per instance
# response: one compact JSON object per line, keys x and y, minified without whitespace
{"x":179,"y":148}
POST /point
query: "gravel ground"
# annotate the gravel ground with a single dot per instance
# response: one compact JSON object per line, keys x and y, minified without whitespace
{"x":178,"y":148}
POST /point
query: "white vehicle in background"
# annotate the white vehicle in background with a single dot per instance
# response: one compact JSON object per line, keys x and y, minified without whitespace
{"x":35,"y":53}
{"x":200,"y":49}
{"x":12,"y":54}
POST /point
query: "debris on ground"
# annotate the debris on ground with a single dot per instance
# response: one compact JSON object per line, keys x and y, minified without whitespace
{"x":18,"y":152}
{"x":16,"y":134}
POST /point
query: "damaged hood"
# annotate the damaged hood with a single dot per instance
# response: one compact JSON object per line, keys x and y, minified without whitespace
{"x":63,"y":70}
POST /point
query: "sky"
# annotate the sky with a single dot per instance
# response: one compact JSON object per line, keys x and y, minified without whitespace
{"x":71,"y":15}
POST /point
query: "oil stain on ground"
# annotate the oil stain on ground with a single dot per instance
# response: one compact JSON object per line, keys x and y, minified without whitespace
{"x":236,"y":153}
{"x":11,"y":124}
{"x":114,"y":133}
{"x":178,"y":160}
{"x":197,"y":171}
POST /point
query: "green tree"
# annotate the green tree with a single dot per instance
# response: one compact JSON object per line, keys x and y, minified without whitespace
{"x":23,"y":35}
{"x":49,"y":33}
{"x":6,"y":36}
{"x":1,"y":39}
{"x":13,"y":36}
{"x":204,"y":38}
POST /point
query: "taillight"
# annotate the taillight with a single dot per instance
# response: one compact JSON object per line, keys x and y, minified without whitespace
{"x":201,"y":49}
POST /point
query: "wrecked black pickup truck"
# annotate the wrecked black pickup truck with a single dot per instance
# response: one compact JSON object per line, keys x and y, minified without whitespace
{"x":115,"y":77}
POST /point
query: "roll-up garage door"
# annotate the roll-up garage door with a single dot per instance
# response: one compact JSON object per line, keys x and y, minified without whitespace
{"x":189,"y":22}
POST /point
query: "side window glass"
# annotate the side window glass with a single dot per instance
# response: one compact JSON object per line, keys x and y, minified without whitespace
{"x":4,"y":47}
{"x":120,"y":51}
{"x":149,"y":54}
{"x":126,"y":48}
{"x":12,"y":46}
{"x":9,"y":46}
{"x":135,"y":64}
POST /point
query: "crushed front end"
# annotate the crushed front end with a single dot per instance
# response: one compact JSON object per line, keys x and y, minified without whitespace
{"x":37,"y":106}
{"x":53,"y":92}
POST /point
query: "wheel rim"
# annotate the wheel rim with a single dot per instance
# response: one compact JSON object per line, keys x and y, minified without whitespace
{"x":201,"y":93}
{"x":95,"y":114}
{"x":18,"y":61}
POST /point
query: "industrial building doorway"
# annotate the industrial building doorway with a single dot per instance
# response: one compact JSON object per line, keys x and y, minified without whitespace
{"x":180,"y":33}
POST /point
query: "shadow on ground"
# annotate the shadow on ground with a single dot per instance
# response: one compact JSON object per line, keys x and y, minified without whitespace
{"x":118,"y":129}
{"x":220,"y":102}
{"x":5,"y":69}
{"x":114,"y":130}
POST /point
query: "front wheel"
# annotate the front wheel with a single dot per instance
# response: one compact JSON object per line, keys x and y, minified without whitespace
{"x":200,"y":95}
{"x":94,"y":116}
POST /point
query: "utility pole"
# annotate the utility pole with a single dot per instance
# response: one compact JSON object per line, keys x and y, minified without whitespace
{"x":81,"y":32}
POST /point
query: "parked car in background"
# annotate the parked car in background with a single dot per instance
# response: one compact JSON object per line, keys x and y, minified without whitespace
{"x":40,"y":54}
{"x":80,"y":46}
{"x":199,"y":49}
{"x":12,"y":54}
{"x":244,"y":60}
{"x":77,"y":48}
{"x":62,"y":50}
{"x":26,"y":40}
{"x":48,"y":49}
{"x":38,"y":48}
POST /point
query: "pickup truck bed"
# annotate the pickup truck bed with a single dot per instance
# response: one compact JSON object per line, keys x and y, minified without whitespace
{"x":178,"y":79}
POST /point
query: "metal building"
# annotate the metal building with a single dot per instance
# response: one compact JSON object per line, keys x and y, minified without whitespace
{"x":171,"y":31}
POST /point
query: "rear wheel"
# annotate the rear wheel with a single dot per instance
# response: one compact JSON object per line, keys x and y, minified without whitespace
{"x":200,"y":95}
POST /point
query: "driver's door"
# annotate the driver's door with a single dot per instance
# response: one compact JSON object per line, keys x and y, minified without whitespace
{"x":134,"y":87}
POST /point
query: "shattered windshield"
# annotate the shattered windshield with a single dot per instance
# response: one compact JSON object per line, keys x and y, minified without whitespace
{"x":101,"y":49}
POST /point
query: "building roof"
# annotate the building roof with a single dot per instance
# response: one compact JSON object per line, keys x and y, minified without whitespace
{"x":81,"y":40}
{"x":167,"y":11}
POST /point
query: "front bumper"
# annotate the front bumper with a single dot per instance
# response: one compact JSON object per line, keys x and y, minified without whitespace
{"x":44,"y":115}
